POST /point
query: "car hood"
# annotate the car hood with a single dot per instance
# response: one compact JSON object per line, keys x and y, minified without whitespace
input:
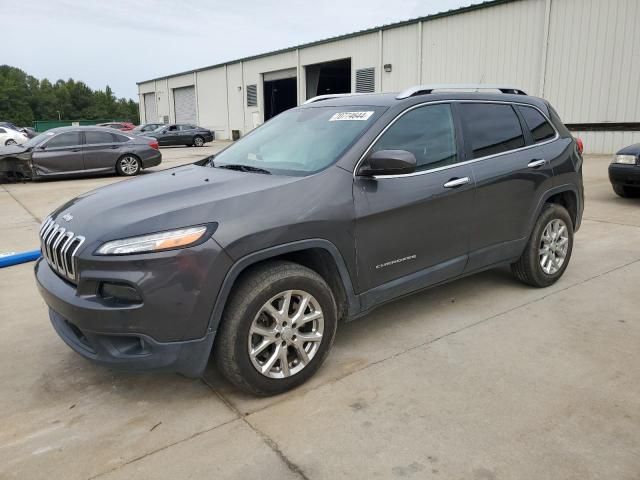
{"x":174,"y":198}
{"x":630,"y":150}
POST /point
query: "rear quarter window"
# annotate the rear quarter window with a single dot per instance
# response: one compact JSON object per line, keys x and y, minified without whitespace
{"x":541,"y":129}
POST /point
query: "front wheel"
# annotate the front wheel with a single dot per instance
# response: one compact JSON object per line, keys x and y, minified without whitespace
{"x":277,"y":328}
{"x":547,"y":254}
{"x":128,"y":166}
{"x":198,"y":141}
{"x":11,"y":141}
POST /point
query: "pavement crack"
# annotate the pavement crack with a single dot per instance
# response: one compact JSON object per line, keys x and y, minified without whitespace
{"x":610,"y":222}
{"x":153,"y":452}
{"x":17,"y":200}
{"x":271,"y":443}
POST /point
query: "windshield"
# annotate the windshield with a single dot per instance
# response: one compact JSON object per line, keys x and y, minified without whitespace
{"x":38,"y":139}
{"x":300,"y":141}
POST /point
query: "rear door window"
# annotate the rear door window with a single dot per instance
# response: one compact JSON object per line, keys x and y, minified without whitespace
{"x":97,"y":138}
{"x":491,"y":128}
{"x":427,"y":132}
{"x":541,"y":129}
{"x":70,"y":139}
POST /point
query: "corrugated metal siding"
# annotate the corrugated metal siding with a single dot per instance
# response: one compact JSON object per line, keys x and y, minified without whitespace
{"x":150,"y":113}
{"x":605,"y":143}
{"x":501,"y":44}
{"x":400,"y":49}
{"x":593,"y":61}
{"x":212,"y":101}
{"x":236,"y":97}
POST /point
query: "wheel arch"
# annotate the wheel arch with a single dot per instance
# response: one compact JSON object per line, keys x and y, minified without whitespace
{"x":319,"y":255}
{"x":565,"y":195}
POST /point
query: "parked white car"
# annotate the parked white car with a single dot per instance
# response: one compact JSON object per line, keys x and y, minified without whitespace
{"x":9,"y":136}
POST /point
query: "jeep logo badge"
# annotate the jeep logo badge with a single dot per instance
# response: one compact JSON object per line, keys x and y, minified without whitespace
{"x":68,"y":217}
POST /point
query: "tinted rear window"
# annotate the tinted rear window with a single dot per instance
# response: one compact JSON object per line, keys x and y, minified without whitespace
{"x":491,"y":128}
{"x":93,"y":137}
{"x":541,"y":129}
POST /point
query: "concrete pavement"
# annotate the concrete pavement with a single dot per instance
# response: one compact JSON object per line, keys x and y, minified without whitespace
{"x":483,"y":378}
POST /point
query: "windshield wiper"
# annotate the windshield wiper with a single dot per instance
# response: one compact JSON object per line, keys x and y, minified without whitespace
{"x":243,"y":168}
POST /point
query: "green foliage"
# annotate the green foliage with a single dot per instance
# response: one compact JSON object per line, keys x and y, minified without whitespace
{"x":24,"y":98}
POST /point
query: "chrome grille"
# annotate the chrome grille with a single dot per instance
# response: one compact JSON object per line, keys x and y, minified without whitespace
{"x":59,"y":247}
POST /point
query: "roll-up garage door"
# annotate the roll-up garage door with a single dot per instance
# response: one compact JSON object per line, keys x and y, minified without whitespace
{"x":150,"y":114}
{"x":184,"y":100}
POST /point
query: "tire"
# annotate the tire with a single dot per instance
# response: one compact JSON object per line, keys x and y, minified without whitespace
{"x":626,"y":192}
{"x":128,"y":166}
{"x":529,"y":267}
{"x":245,"y":313}
{"x":11,"y":141}
{"x":198,"y":141}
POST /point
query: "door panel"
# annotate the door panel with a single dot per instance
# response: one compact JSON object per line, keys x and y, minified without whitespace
{"x":61,"y":154}
{"x":408,"y":224}
{"x":100,"y":151}
{"x":412,"y":230}
{"x":508,"y":183}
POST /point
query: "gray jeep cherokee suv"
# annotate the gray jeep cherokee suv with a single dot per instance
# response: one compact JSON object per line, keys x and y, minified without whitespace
{"x":321,"y":214}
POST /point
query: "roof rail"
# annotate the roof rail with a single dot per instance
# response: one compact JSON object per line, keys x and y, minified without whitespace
{"x":426,"y":89}
{"x":329,"y":96}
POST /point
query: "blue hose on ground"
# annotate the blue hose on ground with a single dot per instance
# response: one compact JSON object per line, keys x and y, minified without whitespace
{"x":14,"y":258}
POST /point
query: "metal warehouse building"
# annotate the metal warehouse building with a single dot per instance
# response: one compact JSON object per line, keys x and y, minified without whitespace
{"x":581,"y":55}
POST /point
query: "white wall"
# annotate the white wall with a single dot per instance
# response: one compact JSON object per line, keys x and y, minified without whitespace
{"x":212,"y":101}
{"x":582,"y":55}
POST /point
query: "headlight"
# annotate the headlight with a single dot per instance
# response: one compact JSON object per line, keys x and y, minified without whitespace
{"x":626,"y":159}
{"x":154,"y":242}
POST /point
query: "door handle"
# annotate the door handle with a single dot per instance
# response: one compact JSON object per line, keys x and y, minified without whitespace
{"x":536,"y":163}
{"x":75,"y":149}
{"x":456,"y":182}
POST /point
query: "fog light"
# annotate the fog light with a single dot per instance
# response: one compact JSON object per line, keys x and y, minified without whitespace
{"x":119,"y":292}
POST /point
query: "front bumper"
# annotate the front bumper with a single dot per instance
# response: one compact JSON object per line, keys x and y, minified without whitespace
{"x":135,"y":352}
{"x":167,"y":329}
{"x":626,"y":175}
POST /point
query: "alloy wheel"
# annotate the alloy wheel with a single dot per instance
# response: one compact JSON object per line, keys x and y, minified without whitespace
{"x":286,"y":334}
{"x":554,"y":245}
{"x":129,"y":165}
{"x":198,"y":142}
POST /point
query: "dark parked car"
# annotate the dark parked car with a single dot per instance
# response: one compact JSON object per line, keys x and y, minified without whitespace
{"x":182,"y":134}
{"x":323,"y":213}
{"x":146,"y":129}
{"x":624,"y":171}
{"x":78,"y":150}
{"x":122,"y":126}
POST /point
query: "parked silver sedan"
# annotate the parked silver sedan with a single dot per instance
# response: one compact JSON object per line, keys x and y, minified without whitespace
{"x":79,"y":151}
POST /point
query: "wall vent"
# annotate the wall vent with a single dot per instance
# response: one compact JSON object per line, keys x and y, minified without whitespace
{"x":366,"y":80}
{"x":252,"y":95}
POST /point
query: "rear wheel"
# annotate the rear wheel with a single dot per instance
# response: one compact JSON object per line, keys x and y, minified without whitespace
{"x":547,"y":254}
{"x":128,"y":165}
{"x":11,"y":141}
{"x":277,"y":328}
{"x":626,"y":192}
{"x":198,"y":141}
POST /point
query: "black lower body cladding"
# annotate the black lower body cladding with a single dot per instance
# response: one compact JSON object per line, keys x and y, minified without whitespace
{"x":161,"y":322}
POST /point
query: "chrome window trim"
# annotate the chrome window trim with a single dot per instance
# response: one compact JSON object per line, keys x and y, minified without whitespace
{"x":466,"y":162}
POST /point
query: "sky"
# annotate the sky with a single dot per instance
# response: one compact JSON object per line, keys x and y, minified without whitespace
{"x":121,"y":42}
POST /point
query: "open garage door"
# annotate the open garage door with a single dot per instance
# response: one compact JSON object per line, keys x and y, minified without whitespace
{"x":184,"y":100}
{"x":150,"y":113}
{"x":328,"y":77}
{"x":280,"y":92}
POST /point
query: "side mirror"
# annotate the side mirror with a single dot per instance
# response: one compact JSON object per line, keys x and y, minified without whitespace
{"x":388,"y":162}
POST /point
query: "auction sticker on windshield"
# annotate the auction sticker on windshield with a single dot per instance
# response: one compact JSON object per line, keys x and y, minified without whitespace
{"x":350,"y":116}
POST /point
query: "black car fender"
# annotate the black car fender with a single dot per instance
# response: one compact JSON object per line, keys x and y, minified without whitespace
{"x":353,"y":305}
{"x":554,"y":191}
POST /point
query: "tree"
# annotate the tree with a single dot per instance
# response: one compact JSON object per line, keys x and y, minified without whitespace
{"x":24,"y":98}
